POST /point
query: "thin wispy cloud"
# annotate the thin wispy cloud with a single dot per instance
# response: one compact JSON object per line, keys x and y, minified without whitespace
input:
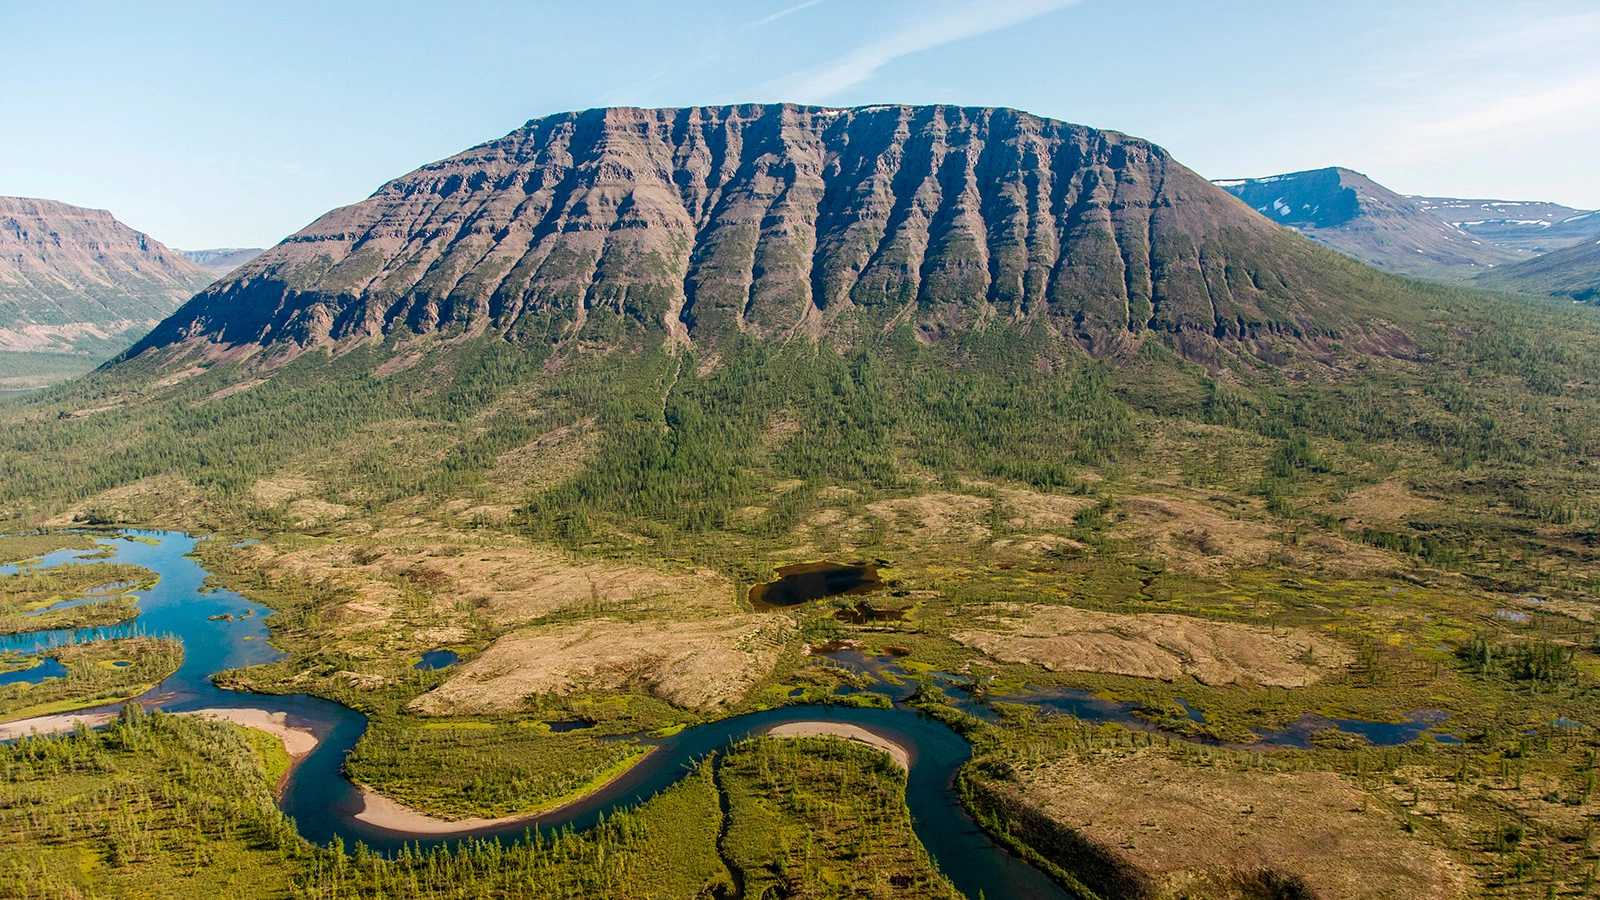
{"x":971,"y":19}
{"x":767,"y":20}
{"x":1463,"y":100}
{"x":1521,"y":116}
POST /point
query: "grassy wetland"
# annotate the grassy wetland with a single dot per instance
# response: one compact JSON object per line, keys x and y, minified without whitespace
{"x":1222,"y":549}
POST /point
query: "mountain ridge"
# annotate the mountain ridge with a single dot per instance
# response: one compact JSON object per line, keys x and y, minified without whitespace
{"x":1535,"y":226}
{"x":780,"y":221}
{"x":77,"y":279}
{"x":1348,"y":211}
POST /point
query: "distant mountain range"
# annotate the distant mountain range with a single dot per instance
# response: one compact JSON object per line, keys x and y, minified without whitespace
{"x":1516,"y":224}
{"x":1437,"y":238}
{"x":76,"y":280}
{"x":222,"y":260}
{"x":1359,"y":217}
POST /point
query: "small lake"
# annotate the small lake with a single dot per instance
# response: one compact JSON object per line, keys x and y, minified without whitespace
{"x":813,"y":581}
{"x":1088,"y":707}
{"x":436,"y":659}
{"x":49,"y":667}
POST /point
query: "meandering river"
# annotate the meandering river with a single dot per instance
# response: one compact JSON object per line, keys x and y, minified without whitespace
{"x":324,"y":803}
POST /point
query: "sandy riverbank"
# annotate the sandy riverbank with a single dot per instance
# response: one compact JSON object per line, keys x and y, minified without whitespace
{"x":376,"y":809}
{"x":899,"y":754}
{"x":55,"y":724}
{"x":296,"y":741}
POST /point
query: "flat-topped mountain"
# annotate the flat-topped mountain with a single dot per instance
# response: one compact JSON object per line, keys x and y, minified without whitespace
{"x":781,"y":221}
{"x":75,"y":279}
{"x":1357,"y":216}
{"x":1517,"y":224}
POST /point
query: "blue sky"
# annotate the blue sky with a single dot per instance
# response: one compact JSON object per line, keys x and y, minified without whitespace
{"x":235,"y":124}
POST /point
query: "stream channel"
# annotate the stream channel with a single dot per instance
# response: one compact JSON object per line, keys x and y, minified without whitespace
{"x":324,"y":803}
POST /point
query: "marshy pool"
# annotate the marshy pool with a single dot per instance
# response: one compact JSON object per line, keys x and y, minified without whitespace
{"x":48,"y":667}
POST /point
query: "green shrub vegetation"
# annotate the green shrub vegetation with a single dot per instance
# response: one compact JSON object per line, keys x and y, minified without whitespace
{"x":1391,"y":492}
{"x":173,"y":807}
{"x":26,"y":597}
{"x":98,"y":672}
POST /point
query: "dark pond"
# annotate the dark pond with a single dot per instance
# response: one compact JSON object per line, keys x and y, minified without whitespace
{"x":49,"y":667}
{"x":564,"y":727}
{"x":437,"y":659}
{"x":1194,"y":715}
{"x":813,"y":581}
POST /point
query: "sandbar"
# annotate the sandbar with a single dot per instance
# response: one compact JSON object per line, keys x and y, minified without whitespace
{"x":296,"y":741}
{"x":899,"y":754}
{"x":376,"y":809}
{"x":55,"y":724}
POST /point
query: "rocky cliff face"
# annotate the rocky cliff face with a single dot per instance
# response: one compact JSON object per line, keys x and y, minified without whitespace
{"x":782,"y":221}
{"x":77,"y":279}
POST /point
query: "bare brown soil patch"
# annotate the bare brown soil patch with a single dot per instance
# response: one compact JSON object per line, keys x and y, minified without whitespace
{"x":159,"y":499}
{"x":1386,"y":501}
{"x":546,"y":460}
{"x":272,"y":491}
{"x":696,"y":665}
{"x":507,"y":579}
{"x":397,"y":364}
{"x":232,"y":389}
{"x":299,"y":495}
{"x":1191,"y":537}
{"x":1180,"y":830}
{"x":936,"y":516}
{"x":1032,"y":511}
{"x":175,"y":377}
{"x":1067,"y":639}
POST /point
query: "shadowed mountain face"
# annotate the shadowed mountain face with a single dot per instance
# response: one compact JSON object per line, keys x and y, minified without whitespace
{"x":1355,"y":215}
{"x":779,"y":221}
{"x":75,"y":279}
